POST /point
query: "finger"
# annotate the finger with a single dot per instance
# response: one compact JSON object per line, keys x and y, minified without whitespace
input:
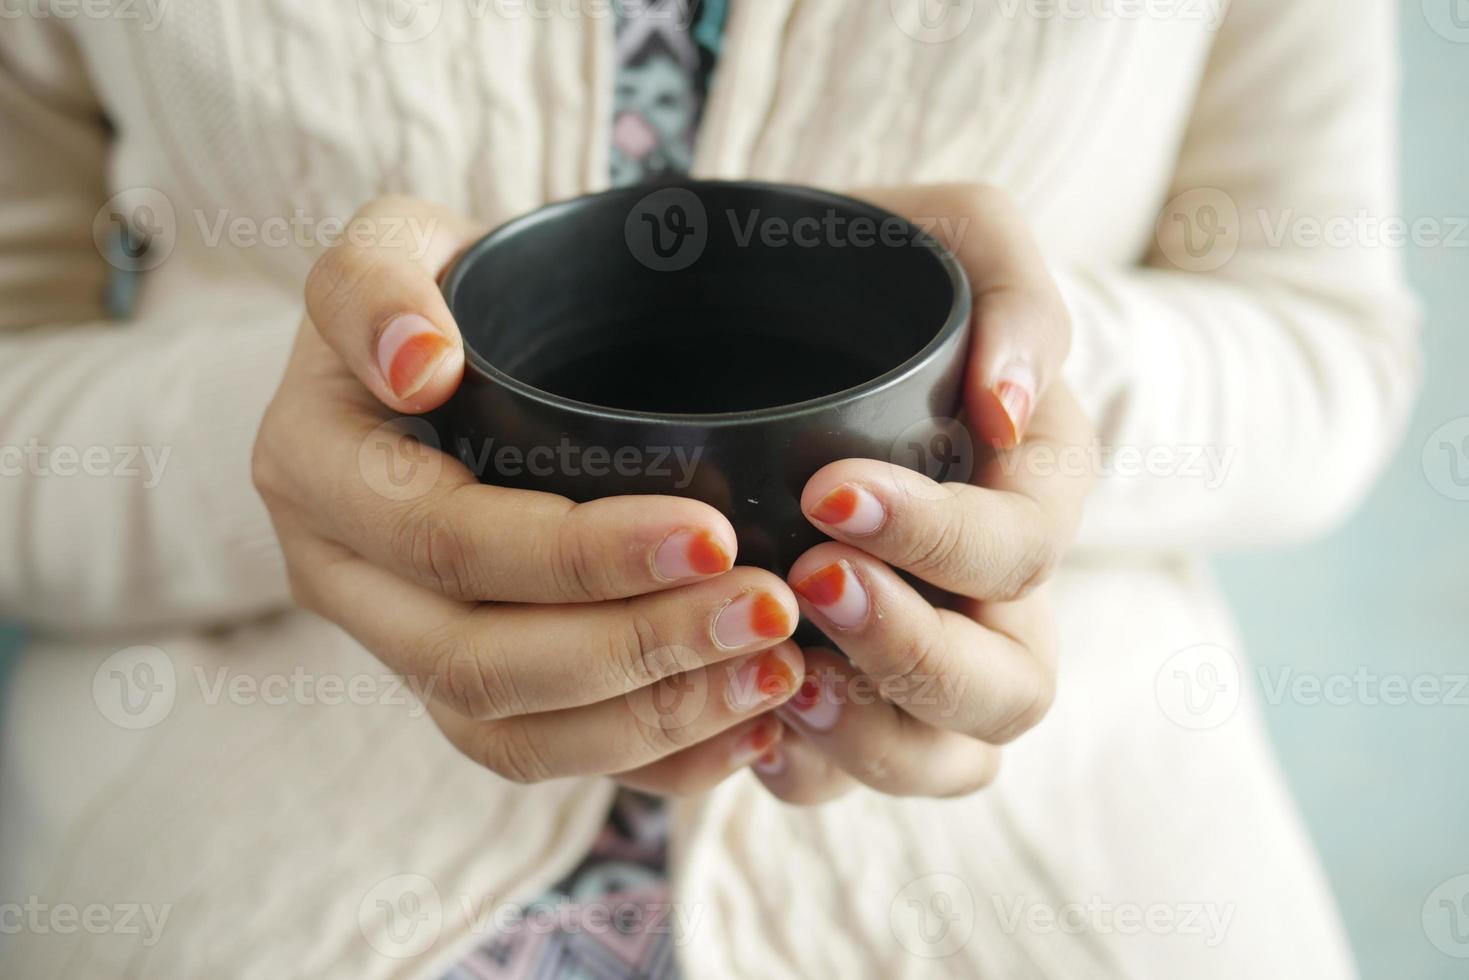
{"x":993,"y":541}
{"x":844,"y":714}
{"x":480,"y":543}
{"x":633,"y":731}
{"x":987,"y":671}
{"x":377,"y":489}
{"x":700,"y":768}
{"x":797,"y":772}
{"x":384,"y":490}
{"x":374,"y":298}
{"x":497,"y":661}
{"x":1021,"y":327}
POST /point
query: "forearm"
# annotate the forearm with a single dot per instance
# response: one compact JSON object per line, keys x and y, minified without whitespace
{"x":1249,"y":378}
{"x":1233,"y":416}
{"x":126,"y":489}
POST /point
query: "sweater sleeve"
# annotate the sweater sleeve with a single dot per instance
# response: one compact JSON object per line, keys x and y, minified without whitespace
{"x":125,"y":496}
{"x":1252,"y":378}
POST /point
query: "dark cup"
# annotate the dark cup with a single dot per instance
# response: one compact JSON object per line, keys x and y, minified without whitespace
{"x":715,"y":340}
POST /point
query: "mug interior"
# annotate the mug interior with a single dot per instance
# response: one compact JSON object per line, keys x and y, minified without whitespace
{"x":791,"y":295}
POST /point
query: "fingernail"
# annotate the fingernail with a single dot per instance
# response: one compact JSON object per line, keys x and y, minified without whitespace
{"x":1015,"y":392}
{"x":690,"y":554}
{"x":837,"y":593}
{"x":814,"y":706}
{"x":851,"y":510}
{"x":751,"y":618}
{"x":763,"y":678}
{"x":757,"y":742}
{"x":408,"y":352}
{"x":772,"y":763}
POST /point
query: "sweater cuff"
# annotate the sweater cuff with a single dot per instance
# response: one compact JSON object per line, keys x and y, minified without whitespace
{"x":237,"y":378}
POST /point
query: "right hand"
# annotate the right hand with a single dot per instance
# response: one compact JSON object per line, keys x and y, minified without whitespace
{"x":555,"y":639}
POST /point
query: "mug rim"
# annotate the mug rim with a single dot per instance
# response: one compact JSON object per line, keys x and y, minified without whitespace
{"x":960,"y":311}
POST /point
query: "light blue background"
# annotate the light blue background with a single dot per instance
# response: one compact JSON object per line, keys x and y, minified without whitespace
{"x":1386,"y":789}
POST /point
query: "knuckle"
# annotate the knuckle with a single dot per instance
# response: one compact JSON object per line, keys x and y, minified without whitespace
{"x":439,"y":555}
{"x":1038,"y":562}
{"x":639,"y":655}
{"x":917,"y":657}
{"x":946,"y":552}
{"x":667,"y":726}
{"x":333,"y":280}
{"x":512,"y":753}
{"x":578,"y":574}
{"x":1027,"y":712}
{"x":471,"y":679}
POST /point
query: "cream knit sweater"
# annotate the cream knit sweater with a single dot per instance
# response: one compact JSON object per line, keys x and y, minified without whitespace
{"x":277,"y":834}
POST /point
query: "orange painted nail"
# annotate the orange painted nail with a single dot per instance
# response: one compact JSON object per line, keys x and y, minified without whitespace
{"x":815,"y":705}
{"x":707,"y":556}
{"x":850,"y":509}
{"x":824,"y":586}
{"x":770,"y":618}
{"x":838,"y":594}
{"x":774,"y":677}
{"x":837,"y":506}
{"x":1015,"y":399}
{"x":751,"y":618}
{"x":763,"y":678}
{"x":408,"y":353}
{"x":759,"y":741}
{"x":690,"y":554}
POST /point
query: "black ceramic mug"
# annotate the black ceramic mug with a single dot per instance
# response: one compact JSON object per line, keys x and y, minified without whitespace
{"x":715,"y":340}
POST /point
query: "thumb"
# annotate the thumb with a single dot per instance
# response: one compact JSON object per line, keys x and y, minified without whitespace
{"x":1021,"y":328}
{"x":374,"y":298}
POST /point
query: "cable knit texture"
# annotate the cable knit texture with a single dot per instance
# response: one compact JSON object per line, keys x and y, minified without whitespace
{"x":275,"y":833}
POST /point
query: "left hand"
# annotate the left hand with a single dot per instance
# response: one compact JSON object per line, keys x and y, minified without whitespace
{"x":930,"y":690}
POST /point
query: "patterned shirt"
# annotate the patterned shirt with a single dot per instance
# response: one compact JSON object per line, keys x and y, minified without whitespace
{"x":666,"y":50}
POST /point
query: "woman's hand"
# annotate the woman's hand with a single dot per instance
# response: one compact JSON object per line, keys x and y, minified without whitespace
{"x":555,"y":639}
{"x":938,"y":679}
